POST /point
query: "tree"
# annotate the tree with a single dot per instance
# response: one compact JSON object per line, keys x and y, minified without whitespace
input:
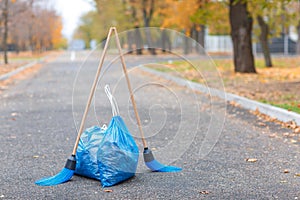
{"x":298,"y":41}
{"x":143,"y":11}
{"x":4,"y":39}
{"x":193,"y":16}
{"x":34,"y":27}
{"x":264,"y":41}
{"x":297,"y":16}
{"x":268,"y":15}
{"x":5,"y":19}
{"x":206,"y":16}
{"x":86,"y":29}
{"x":241,"y":33}
{"x":261,"y":9}
{"x":290,"y":17}
{"x":182,"y":19}
{"x":111,"y":13}
{"x":148,"y":10}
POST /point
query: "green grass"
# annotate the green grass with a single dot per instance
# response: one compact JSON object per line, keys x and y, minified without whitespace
{"x":290,"y":107}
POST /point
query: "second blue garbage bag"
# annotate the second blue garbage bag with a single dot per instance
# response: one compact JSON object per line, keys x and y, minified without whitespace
{"x":118,"y":153}
{"x":86,"y":154}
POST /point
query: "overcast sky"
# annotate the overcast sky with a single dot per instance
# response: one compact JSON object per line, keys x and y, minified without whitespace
{"x":71,"y":10}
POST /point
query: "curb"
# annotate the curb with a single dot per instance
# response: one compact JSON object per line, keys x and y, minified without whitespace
{"x":19,"y":69}
{"x":272,"y":111}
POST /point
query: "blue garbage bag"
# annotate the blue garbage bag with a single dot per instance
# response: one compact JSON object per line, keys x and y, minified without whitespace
{"x":118,"y":155}
{"x":86,"y":154}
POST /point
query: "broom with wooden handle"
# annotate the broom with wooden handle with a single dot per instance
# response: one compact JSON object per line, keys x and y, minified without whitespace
{"x":68,"y":171}
{"x":149,"y":159}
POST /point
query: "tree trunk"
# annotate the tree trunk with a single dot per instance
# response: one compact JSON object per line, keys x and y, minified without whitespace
{"x":186,"y":46}
{"x":241,"y":31}
{"x":138,"y":41}
{"x":298,"y":41}
{"x":147,"y":16}
{"x":201,"y":36}
{"x":4,"y":41}
{"x":129,"y":41}
{"x":165,"y":41}
{"x":264,"y":40}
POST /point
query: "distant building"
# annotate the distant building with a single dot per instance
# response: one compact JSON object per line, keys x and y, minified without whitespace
{"x":93,"y":44}
{"x":76,"y":45}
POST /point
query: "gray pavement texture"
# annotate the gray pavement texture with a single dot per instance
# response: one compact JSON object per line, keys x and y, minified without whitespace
{"x":38,"y":132}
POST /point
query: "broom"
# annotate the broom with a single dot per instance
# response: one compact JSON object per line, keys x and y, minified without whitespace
{"x":68,"y":171}
{"x":149,"y":159}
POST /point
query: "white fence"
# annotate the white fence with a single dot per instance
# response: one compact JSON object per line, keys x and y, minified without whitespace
{"x":220,"y":43}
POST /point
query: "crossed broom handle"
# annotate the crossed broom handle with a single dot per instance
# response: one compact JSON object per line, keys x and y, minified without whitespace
{"x":111,"y":30}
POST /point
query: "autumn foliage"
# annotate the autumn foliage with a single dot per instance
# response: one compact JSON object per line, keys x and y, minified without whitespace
{"x":31,"y":27}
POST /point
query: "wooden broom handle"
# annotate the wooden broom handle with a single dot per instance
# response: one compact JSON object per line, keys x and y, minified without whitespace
{"x":92,"y":91}
{"x":130,"y":90}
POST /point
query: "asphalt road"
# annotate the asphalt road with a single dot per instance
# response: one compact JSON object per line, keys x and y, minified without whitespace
{"x":37,"y":134}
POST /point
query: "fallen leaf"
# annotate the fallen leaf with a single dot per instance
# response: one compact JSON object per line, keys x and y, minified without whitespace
{"x":272,"y":135}
{"x":286,"y":134}
{"x":293,"y":124}
{"x":204,"y":192}
{"x":14,"y":114}
{"x":262,"y":124}
{"x":293,"y":141}
{"x":35,"y":156}
{"x":251,"y":159}
{"x":235,"y":104}
{"x":108,"y":190}
{"x":297,"y":130}
{"x":298,"y":174}
{"x":286,"y":171}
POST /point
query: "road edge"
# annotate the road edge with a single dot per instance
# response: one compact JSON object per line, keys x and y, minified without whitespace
{"x":272,"y":111}
{"x":20,"y":69}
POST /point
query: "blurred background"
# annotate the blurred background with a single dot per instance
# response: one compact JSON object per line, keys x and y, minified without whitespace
{"x":40,"y":25}
{"x":257,"y":37}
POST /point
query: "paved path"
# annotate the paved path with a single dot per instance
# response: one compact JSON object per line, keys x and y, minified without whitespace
{"x":38,"y":131}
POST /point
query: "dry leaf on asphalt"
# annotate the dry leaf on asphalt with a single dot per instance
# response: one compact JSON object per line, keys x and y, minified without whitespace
{"x":262,"y":124}
{"x":251,"y":159}
{"x":204,"y":192}
{"x":272,"y":135}
{"x":108,"y":190}
{"x":297,"y":130}
{"x":293,"y":141}
{"x":298,"y":174}
{"x":286,"y":171}
{"x":14,"y":114}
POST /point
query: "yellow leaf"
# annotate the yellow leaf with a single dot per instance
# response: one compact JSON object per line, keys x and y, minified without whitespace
{"x":251,"y":159}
